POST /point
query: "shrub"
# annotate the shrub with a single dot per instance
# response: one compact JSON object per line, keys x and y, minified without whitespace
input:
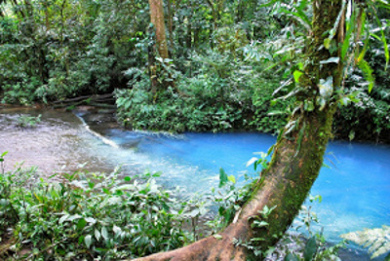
{"x":88,"y":215}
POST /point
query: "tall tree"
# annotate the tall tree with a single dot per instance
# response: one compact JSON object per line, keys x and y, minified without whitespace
{"x":157,"y":19}
{"x":298,"y":153}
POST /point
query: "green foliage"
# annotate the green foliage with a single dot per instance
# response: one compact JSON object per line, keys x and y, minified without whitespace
{"x":21,"y":92}
{"x":368,"y":118}
{"x":88,"y":215}
{"x":202,"y":103}
{"x":269,"y":116}
{"x":377,"y":240}
{"x":229,"y":200}
{"x":58,"y":49}
{"x":29,"y":121}
{"x":313,"y":246}
{"x":223,"y":95}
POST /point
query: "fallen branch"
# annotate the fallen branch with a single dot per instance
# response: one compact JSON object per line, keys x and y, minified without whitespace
{"x":102,"y":101}
{"x":95,"y":98}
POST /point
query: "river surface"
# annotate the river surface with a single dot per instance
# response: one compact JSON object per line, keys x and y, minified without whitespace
{"x":355,"y":189}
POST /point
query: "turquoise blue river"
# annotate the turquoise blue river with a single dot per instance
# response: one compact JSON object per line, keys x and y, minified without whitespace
{"x":355,"y":189}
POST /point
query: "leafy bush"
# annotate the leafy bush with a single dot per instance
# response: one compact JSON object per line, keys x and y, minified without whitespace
{"x":203,"y":106}
{"x":88,"y":215}
{"x":225,"y":94}
{"x":22,"y":92}
{"x":268,"y":117}
{"x":367,"y":118}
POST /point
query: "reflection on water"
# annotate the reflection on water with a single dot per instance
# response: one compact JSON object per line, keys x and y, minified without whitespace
{"x":355,"y":190}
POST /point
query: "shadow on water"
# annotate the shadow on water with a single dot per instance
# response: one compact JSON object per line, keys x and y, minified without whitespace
{"x":355,"y":189}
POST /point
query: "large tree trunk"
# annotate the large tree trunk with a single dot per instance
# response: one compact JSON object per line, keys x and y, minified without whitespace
{"x":157,"y":19}
{"x":294,"y":166}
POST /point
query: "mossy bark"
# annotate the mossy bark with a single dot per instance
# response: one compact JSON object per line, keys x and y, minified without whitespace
{"x":294,"y":166}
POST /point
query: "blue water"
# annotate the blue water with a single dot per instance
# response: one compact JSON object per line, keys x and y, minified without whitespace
{"x":355,"y":189}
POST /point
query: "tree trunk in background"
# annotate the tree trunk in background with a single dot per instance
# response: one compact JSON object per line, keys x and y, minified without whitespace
{"x":157,"y":19}
{"x":152,"y":64}
{"x":214,"y":12}
{"x":46,"y":10}
{"x":196,"y":36}
{"x":295,"y":163}
{"x":170,"y":25}
{"x":189,"y":32}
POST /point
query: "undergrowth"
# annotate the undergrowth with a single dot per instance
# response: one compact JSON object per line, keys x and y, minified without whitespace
{"x":87,"y":216}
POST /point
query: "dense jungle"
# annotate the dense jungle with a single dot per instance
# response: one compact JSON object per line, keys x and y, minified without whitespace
{"x":128,"y":129}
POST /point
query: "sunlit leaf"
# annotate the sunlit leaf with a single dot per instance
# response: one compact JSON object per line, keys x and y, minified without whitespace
{"x":331,"y":60}
{"x":297,"y":74}
{"x":88,"y":241}
{"x":367,"y":72}
{"x":104,"y":233}
{"x":326,"y":87}
{"x":116,"y":229}
{"x":97,"y":235}
{"x":232,"y":179}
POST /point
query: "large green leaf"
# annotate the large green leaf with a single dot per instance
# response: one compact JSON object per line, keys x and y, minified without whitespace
{"x":310,"y":249}
{"x":223,"y":177}
{"x":367,"y":71}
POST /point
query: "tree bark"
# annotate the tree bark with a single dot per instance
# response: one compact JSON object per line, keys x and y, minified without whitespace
{"x":295,"y":164}
{"x":157,"y":19}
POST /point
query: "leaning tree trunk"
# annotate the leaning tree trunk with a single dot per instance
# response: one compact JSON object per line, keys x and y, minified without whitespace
{"x":294,"y":166}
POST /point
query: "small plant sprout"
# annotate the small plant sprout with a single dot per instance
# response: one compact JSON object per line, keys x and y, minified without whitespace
{"x":25,"y":121}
